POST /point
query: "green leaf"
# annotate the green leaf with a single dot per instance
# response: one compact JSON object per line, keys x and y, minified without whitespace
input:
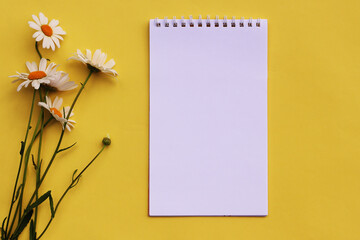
{"x":24,"y":222}
{"x":33,"y":161}
{"x":63,"y":149}
{"x":74,"y":181}
{"x":3,"y":223}
{"x":18,"y":192}
{"x":38,"y":171}
{"x":3,"y":233}
{"x":52,"y":206}
{"x":32,"y":231}
{"x":40,"y":200}
{"x":74,"y":174}
{"x":22,"y":148}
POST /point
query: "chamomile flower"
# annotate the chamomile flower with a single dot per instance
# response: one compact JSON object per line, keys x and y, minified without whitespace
{"x":59,"y":114}
{"x":37,"y":76}
{"x":61,"y":82}
{"x":49,"y":33}
{"x":96,"y":62}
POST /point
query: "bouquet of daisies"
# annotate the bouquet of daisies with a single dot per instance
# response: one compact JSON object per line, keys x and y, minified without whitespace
{"x":45,"y":79}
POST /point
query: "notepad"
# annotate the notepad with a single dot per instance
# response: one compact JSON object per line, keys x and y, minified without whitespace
{"x":208,"y":117}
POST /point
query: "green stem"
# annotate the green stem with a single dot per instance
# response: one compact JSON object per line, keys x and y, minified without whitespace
{"x":45,"y":124}
{"x":17,"y":208}
{"x":26,"y":161}
{"x":38,"y":164}
{"x":59,"y":142}
{"x":60,"y":139}
{"x":21,"y":160}
{"x":37,"y":50}
{"x":72,"y":184}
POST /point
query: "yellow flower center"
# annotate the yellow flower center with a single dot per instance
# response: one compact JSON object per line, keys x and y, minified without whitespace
{"x":47,"y":30}
{"x":36,"y":75}
{"x":56,"y":112}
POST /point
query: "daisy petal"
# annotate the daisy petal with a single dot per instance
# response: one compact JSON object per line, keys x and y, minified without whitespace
{"x":68,"y":127}
{"x":96,"y":56}
{"x":34,"y":25}
{"x":20,"y":86}
{"x":27,"y":83}
{"x":36,"y":34}
{"x":42,"y":65}
{"x":59,"y":30}
{"x":97,"y":61}
{"x":110,"y":64}
{"x":46,"y":43}
{"x":88,"y":54}
{"x":52,"y":44}
{"x":29,"y":66}
{"x":44,"y":105}
{"x":58,"y":102}
{"x":40,"y":37}
{"x":56,"y":41}
{"x":58,"y":36}
{"x":43,"y":19}
{"x":53,"y":23}
{"x":35,"y":84}
{"x":102,"y":59}
{"x":69,"y":86}
{"x":36,"y":19}
{"x":34,"y":66}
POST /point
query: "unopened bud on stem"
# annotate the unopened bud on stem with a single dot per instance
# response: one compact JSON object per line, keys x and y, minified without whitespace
{"x":106,"y":140}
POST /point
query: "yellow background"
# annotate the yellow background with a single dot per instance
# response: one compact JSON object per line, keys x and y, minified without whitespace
{"x":314,"y":119}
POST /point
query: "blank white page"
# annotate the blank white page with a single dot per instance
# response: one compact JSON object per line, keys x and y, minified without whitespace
{"x":208,"y":119}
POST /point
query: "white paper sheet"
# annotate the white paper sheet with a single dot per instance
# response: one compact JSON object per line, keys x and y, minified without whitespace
{"x":208,"y":120}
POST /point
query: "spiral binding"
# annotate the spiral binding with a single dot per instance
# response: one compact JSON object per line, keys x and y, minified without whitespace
{"x":191,"y":22}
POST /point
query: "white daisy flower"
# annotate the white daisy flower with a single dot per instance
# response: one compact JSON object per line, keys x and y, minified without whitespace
{"x":55,"y":109}
{"x":61,"y":82}
{"x":96,"y":63}
{"x":37,"y":76}
{"x":49,"y":33}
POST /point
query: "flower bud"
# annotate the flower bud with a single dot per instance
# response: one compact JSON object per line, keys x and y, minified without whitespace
{"x":106,"y":140}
